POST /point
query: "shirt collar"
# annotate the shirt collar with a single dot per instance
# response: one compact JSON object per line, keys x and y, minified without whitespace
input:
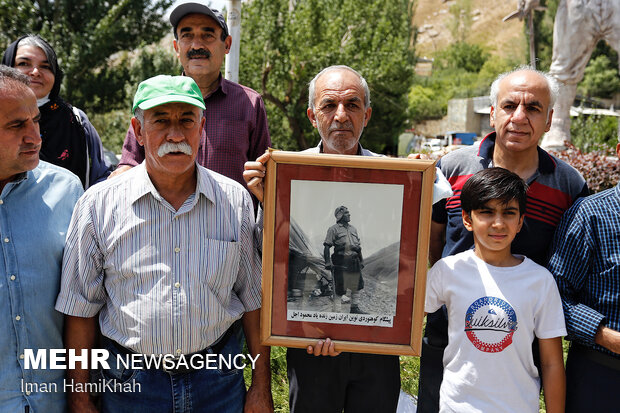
{"x":19,"y":178}
{"x":546,"y":164}
{"x":143,"y":184}
{"x":223,"y":85}
{"x":360,"y":150}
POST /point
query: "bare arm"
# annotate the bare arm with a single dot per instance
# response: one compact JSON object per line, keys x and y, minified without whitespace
{"x":608,"y":338}
{"x":258,"y":398}
{"x":437,"y":242}
{"x":553,"y":376}
{"x":254,"y":174}
{"x":80,"y":334}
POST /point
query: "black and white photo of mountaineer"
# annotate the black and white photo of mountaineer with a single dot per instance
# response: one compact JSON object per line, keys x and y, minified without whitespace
{"x":344,"y":247}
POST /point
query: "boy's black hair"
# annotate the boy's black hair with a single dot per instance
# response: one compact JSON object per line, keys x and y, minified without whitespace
{"x":490,"y":184}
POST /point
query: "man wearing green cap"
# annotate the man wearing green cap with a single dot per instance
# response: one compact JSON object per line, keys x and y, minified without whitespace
{"x":165,"y":256}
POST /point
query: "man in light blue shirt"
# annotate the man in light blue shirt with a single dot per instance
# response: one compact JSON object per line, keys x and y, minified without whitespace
{"x":36,"y":202}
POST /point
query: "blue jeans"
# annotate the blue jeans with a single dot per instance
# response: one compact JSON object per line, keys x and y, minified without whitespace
{"x":202,"y":390}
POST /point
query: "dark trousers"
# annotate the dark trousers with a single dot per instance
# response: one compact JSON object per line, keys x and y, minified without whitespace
{"x":354,"y":382}
{"x":431,"y":361}
{"x":592,"y":381}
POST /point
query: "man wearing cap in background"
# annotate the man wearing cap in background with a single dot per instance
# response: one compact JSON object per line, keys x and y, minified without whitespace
{"x":165,"y":256}
{"x":235,"y":130}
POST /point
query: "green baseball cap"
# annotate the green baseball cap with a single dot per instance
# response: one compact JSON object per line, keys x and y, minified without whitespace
{"x":163,"y":89}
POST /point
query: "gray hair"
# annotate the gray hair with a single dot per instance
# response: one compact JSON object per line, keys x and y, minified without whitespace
{"x":552,"y":85}
{"x":12,"y":80}
{"x":363,"y":84}
{"x":139,"y":115}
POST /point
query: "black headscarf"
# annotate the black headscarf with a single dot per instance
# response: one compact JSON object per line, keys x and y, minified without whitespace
{"x":8,"y":59}
{"x":64,"y":141}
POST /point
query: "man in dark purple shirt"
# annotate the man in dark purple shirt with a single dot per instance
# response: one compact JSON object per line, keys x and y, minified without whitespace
{"x":236,"y":123}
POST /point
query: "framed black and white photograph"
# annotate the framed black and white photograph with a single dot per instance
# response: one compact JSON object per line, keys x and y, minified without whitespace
{"x":345,"y":250}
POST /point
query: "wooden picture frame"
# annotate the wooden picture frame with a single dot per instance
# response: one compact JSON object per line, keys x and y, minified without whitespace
{"x":389,"y":204}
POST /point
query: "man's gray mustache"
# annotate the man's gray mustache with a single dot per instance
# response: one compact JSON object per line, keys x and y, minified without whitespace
{"x":169,"y":147}
{"x":337,"y":125}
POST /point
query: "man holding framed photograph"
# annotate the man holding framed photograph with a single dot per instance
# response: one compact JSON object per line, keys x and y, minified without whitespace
{"x":339,"y":107}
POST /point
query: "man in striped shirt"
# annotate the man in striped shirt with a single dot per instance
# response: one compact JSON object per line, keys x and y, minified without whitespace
{"x":164,"y":255}
{"x":521,"y":112}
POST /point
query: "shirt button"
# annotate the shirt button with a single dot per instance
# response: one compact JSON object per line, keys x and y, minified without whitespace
{"x":179,"y":351}
{"x":13,"y":278}
{"x":177,"y":284}
{"x":1,"y":202}
{"x":6,"y":240}
{"x":18,"y":318}
{"x":21,"y":356}
{"x":27,"y":392}
{"x":176,"y":249}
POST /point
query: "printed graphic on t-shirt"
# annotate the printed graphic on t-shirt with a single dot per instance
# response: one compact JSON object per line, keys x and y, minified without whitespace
{"x":490,"y":323}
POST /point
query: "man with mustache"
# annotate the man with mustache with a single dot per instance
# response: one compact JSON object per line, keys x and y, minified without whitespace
{"x":36,"y":202}
{"x":235,"y":129}
{"x":165,"y":256}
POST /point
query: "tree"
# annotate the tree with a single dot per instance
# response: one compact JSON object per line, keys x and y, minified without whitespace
{"x":286,"y":42}
{"x":462,"y":55}
{"x":85,"y":33}
{"x":601,"y":78}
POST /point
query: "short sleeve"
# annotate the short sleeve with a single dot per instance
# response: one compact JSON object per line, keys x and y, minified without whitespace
{"x":434,"y":288}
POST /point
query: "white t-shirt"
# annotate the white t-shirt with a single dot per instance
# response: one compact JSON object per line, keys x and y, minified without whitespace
{"x":493,"y":315}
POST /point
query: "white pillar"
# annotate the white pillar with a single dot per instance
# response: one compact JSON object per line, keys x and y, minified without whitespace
{"x":233,"y":20}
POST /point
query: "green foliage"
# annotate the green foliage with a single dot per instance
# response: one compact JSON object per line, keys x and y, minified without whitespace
{"x":543,"y":34}
{"x":85,"y":34}
{"x":112,"y":127}
{"x":285,"y":43}
{"x":409,"y":374}
{"x":462,"y":55}
{"x":601,"y":78}
{"x":425,"y":103}
{"x":471,"y":76}
{"x":590,"y":133}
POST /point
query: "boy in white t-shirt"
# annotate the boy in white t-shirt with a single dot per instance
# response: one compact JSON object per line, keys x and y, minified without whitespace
{"x":497,"y":302}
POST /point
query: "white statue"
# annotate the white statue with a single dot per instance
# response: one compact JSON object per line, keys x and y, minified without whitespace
{"x":579,"y":25}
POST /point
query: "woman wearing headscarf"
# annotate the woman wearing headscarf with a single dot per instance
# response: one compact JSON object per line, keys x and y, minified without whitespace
{"x":69,"y":139}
